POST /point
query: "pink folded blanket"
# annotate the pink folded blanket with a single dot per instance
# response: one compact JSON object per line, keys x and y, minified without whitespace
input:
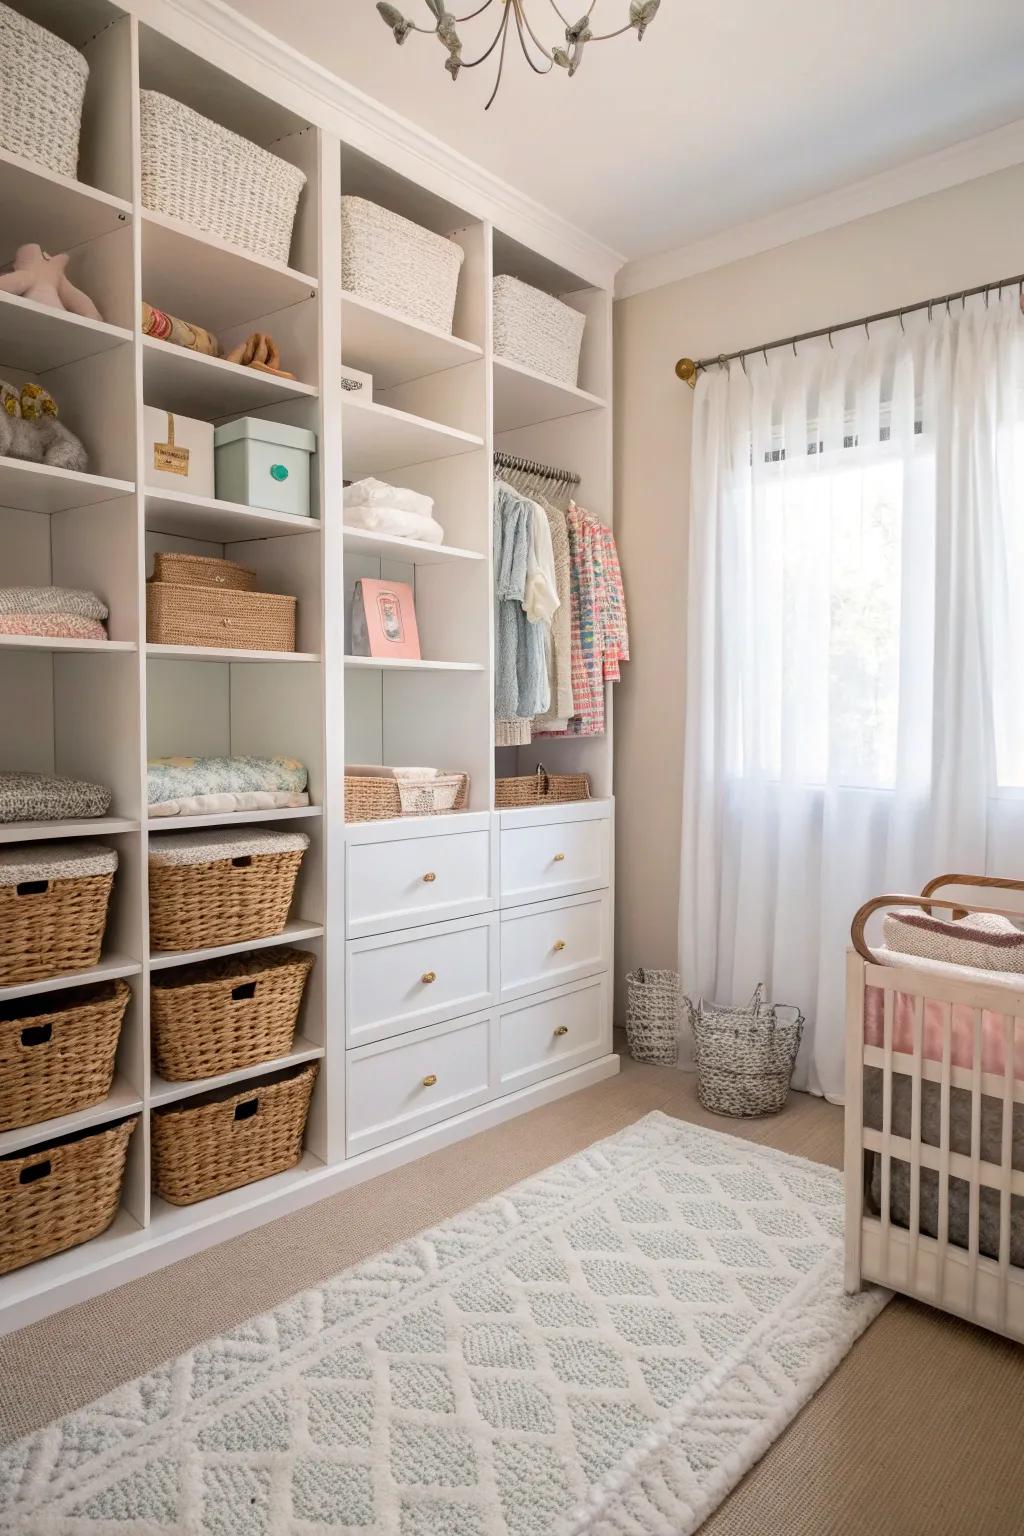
{"x":58,"y":626}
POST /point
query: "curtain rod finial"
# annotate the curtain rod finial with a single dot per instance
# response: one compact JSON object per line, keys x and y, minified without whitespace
{"x":686,"y":369}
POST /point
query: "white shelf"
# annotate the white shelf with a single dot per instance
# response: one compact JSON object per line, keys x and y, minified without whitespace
{"x":192,"y":384}
{"x":56,"y":211}
{"x":120,"y":1101}
{"x":377,"y":438}
{"x":218,"y":653}
{"x":222,"y":522}
{"x":231,"y":818}
{"x":293,"y":930}
{"x":36,"y":337}
{"x":394,"y":348}
{"x":57,"y":643}
{"x":388,"y":546}
{"x":163,"y":1092}
{"x":189,"y":272}
{"x":110,"y":967}
{"x":523,"y":398}
{"x":60,"y":831}
{"x":43,"y":488}
{"x":407,"y":664}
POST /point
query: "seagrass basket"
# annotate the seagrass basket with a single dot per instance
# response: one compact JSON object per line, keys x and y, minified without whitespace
{"x":230,"y":1137}
{"x":222,"y":886}
{"x":225,"y":1014}
{"x":653,"y":1011}
{"x":53,"y":909}
{"x":57,"y":1196}
{"x":57,"y":1052}
{"x":540,"y":788}
{"x":218,"y":616}
{"x":380,"y":798}
{"x":202,"y":571}
{"x":745,"y":1054}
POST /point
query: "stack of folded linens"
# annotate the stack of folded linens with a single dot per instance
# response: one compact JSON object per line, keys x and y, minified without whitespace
{"x":380,"y":508}
{"x":60,"y":612}
{"x":207,"y":786}
{"x":50,"y":797}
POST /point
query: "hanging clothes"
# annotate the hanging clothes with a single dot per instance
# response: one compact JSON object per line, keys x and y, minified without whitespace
{"x":525,"y":597}
{"x":561,"y":708}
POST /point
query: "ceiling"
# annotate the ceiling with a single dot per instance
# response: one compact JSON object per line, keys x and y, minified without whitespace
{"x":724,"y":113}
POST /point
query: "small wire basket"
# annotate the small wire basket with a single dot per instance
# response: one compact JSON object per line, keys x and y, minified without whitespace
{"x":653,"y":1006}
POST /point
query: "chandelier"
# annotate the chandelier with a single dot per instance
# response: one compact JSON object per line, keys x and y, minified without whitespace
{"x":540,"y":58}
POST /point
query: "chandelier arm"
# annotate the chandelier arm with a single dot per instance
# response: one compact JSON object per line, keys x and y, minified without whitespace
{"x":523,"y":21}
{"x":562,"y":18}
{"x":501,"y":58}
{"x":472,"y":63}
{"x":471,"y":15}
{"x":606,"y":35}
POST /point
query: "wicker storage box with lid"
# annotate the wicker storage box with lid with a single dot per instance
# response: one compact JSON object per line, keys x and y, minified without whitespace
{"x":57,"y":1052}
{"x":540,"y":788}
{"x":53,"y":908}
{"x":231,"y":1136}
{"x":62,"y":1194}
{"x":398,"y":264}
{"x":205,"y":175}
{"x":221,"y":885}
{"x":44,"y":82}
{"x":535,"y":329}
{"x":183,"y":570}
{"x":204,"y":601}
{"x":226,"y":1014}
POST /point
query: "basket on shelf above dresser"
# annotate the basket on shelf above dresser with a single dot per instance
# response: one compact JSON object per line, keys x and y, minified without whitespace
{"x":57,"y":1052}
{"x":224,"y":885}
{"x":398,"y":264}
{"x":378,"y":794}
{"x":53,"y":908}
{"x":540,"y":788}
{"x":44,"y":89}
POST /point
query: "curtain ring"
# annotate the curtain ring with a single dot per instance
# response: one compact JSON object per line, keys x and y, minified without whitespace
{"x":764,"y":354}
{"x":963,"y":301}
{"x":987,"y":292}
{"x":902,"y":326}
{"x":948,"y":297}
{"x":793,"y":344}
{"x":831,"y":343}
{"x":867,"y":330}
{"x":929,"y":311}
{"x":743,"y":363}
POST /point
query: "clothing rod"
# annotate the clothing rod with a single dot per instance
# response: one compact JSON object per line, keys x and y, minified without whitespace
{"x":532,"y":467}
{"x":687,"y":370}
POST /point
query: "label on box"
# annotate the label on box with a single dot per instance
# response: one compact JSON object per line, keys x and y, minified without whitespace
{"x":170,"y":457}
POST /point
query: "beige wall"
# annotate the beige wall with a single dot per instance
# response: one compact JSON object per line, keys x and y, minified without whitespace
{"x":945,"y":242}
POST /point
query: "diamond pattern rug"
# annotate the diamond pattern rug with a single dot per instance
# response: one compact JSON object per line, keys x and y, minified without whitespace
{"x":604,"y":1349}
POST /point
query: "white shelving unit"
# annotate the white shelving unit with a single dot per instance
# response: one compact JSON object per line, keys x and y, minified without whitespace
{"x":442,"y":892}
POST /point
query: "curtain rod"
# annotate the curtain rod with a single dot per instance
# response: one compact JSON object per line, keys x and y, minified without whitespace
{"x":687,"y":370}
{"x":531,"y":467}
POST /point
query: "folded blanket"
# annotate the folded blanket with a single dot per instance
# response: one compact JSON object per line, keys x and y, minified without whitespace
{"x":224,"y":804}
{"x":404,"y":525}
{"x":58,"y":626}
{"x":177,"y":778}
{"x":82,"y":605}
{"x":377,"y":493}
{"x":48,"y":797}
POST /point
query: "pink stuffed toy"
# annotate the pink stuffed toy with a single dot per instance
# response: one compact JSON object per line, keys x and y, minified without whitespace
{"x":42,"y":278}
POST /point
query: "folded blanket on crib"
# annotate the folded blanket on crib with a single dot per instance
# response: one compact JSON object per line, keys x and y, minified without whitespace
{"x":222,"y":804}
{"x":186,"y":778}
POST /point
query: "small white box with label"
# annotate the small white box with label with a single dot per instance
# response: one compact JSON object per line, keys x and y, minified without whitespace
{"x":264,"y":464}
{"x":179,"y":453}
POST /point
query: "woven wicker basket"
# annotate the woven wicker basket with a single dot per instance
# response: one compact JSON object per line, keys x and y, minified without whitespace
{"x":653,"y":1011}
{"x":202,"y":571}
{"x":53,"y":909}
{"x":228,"y":891}
{"x":210,"y":616}
{"x":380,"y":799}
{"x":230,"y":1137}
{"x":44,"y":82}
{"x":57,"y":1052}
{"x":538,"y":331}
{"x":201,"y":173}
{"x":226,"y":1014}
{"x":60,"y":1195}
{"x":398,"y":264}
{"x":540,"y":788}
{"x":745,"y":1055}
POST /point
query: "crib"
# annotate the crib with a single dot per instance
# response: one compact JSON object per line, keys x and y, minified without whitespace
{"x":934,"y":1155}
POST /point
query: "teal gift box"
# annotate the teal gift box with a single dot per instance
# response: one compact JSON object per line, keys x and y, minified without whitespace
{"x":264,"y":464}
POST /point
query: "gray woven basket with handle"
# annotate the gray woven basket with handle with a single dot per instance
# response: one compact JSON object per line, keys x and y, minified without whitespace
{"x":745,"y":1054}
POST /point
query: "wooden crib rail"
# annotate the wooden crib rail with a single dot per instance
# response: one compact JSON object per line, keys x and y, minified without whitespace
{"x":995,"y":882}
{"x":926,"y":902}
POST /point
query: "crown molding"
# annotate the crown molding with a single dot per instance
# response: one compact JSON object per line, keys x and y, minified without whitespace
{"x":965,"y":161}
{"x":220,"y":34}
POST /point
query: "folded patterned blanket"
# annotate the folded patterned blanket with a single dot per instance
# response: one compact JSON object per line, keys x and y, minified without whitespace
{"x":222,"y":804}
{"x":177,"y":778}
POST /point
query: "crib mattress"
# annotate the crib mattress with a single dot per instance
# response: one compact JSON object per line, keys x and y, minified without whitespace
{"x":993,"y":1032}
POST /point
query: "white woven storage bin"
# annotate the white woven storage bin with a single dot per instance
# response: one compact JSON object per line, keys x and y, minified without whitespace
{"x":207,"y":176}
{"x":394,"y":262}
{"x":653,"y":1012}
{"x":537,"y":330}
{"x":41,"y":98}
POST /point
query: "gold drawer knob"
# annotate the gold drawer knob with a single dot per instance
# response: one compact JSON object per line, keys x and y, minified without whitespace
{"x":429,"y":877}
{"x":559,"y":945}
{"x":563,"y":1029}
{"x":559,"y":858}
{"x":430,"y":1080}
{"x":428,"y":977}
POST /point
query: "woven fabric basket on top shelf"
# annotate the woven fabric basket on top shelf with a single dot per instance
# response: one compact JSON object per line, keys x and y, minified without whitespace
{"x":213,"y":616}
{"x":221,"y":886}
{"x":398,"y":264}
{"x":540,"y":788}
{"x":202,"y":571}
{"x":44,"y":82}
{"x":230,"y":1137}
{"x":537,"y":330}
{"x":745,"y":1054}
{"x":53,"y":908}
{"x":653,"y":1012}
{"x":57,"y":1052}
{"x":205,"y":175}
{"x":226,"y":1014}
{"x":373,"y":797}
{"x":60,"y":1195}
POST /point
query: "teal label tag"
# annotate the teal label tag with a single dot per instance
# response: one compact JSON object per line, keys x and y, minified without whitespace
{"x":279,"y":471}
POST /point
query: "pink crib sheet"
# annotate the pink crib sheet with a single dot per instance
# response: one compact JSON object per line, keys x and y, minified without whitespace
{"x":961,"y":1034}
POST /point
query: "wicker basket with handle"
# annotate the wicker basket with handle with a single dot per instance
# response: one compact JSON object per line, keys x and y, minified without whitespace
{"x":745,"y":1054}
{"x":226,"y":1014}
{"x":222,"y":886}
{"x":230,"y":1137}
{"x":653,"y":1012}
{"x":540,"y":788}
{"x":53,"y":908}
{"x":202,"y":571}
{"x":57,"y":1052}
{"x":60,"y":1195}
{"x":209,"y":616}
{"x":379,"y":798}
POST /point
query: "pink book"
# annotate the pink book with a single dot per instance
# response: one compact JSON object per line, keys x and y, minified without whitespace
{"x":384,"y":620}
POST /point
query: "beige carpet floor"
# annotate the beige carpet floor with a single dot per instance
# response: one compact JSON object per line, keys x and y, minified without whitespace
{"x":918,"y":1433}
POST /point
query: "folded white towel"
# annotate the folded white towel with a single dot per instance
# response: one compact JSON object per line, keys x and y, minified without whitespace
{"x":377,"y":493}
{"x":403,"y":525}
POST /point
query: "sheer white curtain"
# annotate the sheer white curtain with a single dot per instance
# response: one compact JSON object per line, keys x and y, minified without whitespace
{"x":855,"y":648}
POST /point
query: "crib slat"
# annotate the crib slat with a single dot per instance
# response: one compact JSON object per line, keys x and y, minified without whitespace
{"x":1006,"y":1162}
{"x":975,"y":1183}
{"x":915,"y":1138}
{"x":943,"y":1224}
{"x":889,"y":1003}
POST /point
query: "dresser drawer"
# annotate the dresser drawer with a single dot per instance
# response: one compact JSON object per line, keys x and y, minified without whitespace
{"x":402,"y":1086}
{"x":555,"y":942}
{"x":399,"y":882}
{"x":540,"y":1037}
{"x":397,"y":982}
{"x":554,"y":859}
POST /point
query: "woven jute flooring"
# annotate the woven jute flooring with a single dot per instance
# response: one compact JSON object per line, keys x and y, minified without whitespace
{"x":918,"y":1432}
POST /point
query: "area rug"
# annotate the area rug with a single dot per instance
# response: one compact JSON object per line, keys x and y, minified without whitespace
{"x":604,"y":1349}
